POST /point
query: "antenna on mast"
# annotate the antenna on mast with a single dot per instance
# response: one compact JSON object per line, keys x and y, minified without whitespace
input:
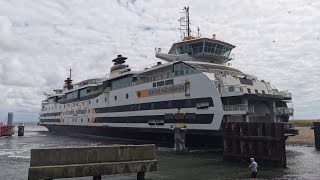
{"x":185,"y":23}
{"x":70,"y":73}
{"x":198,"y":31}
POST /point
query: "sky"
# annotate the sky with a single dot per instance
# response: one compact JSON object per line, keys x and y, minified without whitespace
{"x":277,"y":41}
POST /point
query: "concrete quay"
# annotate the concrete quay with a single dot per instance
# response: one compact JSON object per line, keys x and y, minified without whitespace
{"x":92,"y":161}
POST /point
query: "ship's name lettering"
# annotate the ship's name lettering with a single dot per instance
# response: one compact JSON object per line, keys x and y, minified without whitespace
{"x":166,"y":90}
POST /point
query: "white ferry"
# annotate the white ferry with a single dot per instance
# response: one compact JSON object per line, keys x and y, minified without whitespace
{"x":196,"y":89}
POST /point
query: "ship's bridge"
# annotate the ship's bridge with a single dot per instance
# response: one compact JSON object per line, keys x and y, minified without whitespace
{"x":204,"y":49}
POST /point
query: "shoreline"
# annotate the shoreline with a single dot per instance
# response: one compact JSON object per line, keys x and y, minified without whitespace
{"x":305,"y":137}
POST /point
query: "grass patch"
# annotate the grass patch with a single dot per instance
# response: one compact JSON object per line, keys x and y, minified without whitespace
{"x":303,"y":122}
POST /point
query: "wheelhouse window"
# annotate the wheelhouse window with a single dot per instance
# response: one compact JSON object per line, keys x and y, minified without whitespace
{"x":190,"y":48}
{"x":218,"y":49}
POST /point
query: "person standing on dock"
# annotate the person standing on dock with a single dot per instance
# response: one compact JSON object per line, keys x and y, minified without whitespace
{"x":253,"y":168}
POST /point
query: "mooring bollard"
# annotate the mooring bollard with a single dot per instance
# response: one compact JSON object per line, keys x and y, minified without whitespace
{"x":179,"y":139}
{"x":96,"y":177}
{"x":21,"y":129}
{"x":140,"y":176}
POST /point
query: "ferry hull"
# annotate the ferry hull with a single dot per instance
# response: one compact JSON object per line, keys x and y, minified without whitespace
{"x":162,"y":137}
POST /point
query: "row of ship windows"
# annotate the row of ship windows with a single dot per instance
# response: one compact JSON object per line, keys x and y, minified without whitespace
{"x":77,"y":112}
{"x":156,"y":84}
{"x":179,"y":69}
{"x":162,"y":83}
{"x":183,"y":103}
{"x":154,"y":78}
{"x":81,"y":120}
{"x":58,"y":120}
{"x":74,"y":104}
{"x":256,"y":91}
{"x":231,"y":89}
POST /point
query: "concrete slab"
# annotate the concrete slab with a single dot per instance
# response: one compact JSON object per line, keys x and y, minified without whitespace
{"x":86,"y":155}
{"x":94,"y":169}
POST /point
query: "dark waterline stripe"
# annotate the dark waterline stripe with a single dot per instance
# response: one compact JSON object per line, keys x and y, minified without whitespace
{"x":199,"y":119}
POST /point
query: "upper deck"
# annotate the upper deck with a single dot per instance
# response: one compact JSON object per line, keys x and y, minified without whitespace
{"x":199,"y":49}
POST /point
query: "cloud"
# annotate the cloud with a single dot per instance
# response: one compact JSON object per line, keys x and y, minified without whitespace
{"x":277,"y":41}
{"x":6,"y":36}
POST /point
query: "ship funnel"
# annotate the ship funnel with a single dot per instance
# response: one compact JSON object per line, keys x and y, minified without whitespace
{"x":119,"y":66}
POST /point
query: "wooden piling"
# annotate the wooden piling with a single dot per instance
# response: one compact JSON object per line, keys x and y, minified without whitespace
{"x":263,"y":141}
{"x":316,"y":128}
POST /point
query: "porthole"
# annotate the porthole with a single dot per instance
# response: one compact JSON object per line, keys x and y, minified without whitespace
{"x":127,"y":95}
{"x":105,"y":99}
{"x":115,"y":98}
{"x":97,"y":100}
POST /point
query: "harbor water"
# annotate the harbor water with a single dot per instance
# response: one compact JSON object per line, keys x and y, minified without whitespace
{"x":302,"y":162}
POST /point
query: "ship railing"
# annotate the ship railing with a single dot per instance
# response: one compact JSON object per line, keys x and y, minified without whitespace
{"x":239,"y":107}
{"x":274,"y":92}
{"x":161,"y":50}
{"x":92,"y":82}
{"x":215,"y":51}
{"x":145,"y":67}
{"x":231,"y":88}
{"x":236,"y":107}
{"x":284,"y":111}
{"x":286,"y":94}
{"x":224,"y":72}
{"x":149,"y":79}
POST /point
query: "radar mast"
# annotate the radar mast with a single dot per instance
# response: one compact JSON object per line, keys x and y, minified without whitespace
{"x":185,"y":23}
